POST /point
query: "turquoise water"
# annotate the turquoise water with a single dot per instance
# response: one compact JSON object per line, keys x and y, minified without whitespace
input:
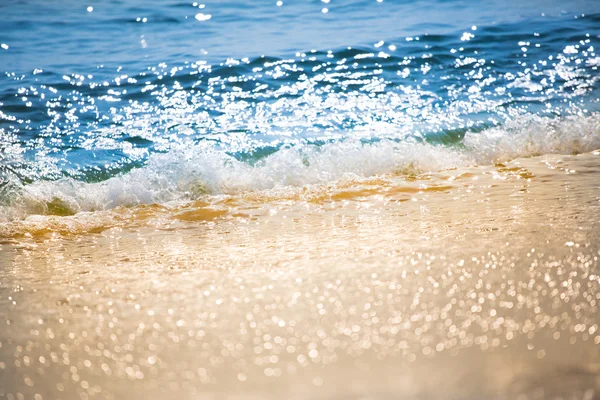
{"x":121,"y":103}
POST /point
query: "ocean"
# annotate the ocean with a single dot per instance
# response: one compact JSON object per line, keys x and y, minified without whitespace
{"x":318,"y":199}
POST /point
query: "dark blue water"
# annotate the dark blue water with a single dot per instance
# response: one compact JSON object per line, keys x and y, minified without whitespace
{"x":126,"y":102}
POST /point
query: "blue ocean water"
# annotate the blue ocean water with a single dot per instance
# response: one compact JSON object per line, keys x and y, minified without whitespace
{"x":108,"y":103}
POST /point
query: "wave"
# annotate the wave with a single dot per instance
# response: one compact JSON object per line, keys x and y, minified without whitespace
{"x":190,"y":173}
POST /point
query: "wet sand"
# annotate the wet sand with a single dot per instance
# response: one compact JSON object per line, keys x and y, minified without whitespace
{"x":473,"y":283}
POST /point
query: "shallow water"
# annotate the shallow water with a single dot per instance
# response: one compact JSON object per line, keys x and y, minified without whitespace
{"x":311,"y":200}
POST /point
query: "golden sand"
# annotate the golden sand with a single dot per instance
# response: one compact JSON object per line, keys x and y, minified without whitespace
{"x":474,"y":283}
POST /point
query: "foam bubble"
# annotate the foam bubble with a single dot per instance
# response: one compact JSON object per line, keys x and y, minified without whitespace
{"x":189,"y":173}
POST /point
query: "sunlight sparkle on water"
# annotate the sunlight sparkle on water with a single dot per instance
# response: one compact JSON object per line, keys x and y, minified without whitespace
{"x":203,"y":17}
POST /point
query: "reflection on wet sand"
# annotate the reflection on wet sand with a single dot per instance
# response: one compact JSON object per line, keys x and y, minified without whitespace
{"x":473,"y":283}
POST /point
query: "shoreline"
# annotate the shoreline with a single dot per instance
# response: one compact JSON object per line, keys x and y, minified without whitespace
{"x":396,"y":186}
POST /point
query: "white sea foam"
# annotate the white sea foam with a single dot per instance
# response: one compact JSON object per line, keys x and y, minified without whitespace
{"x":192,"y":172}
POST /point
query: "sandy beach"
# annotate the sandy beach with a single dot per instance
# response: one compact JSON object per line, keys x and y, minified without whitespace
{"x":469,"y":283}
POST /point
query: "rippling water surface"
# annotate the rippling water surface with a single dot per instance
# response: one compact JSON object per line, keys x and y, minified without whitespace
{"x":125,"y":103}
{"x":300,"y":199}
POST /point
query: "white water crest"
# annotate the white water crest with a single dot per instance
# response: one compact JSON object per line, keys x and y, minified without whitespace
{"x":188,"y":173}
